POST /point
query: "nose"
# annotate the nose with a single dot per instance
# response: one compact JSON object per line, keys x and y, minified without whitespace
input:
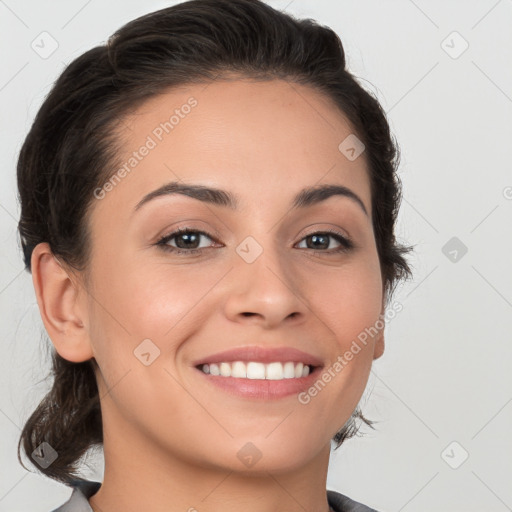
{"x":264,"y":292}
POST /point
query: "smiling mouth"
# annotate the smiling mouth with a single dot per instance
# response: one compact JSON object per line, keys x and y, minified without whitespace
{"x":255,"y":370}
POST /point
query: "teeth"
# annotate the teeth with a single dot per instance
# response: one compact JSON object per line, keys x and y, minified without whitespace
{"x":256,"y":370}
{"x":225,"y":369}
{"x":238,"y":370}
{"x":289,"y":370}
{"x":274,"y":371}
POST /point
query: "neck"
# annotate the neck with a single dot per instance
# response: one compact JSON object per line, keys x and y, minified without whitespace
{"x":139,"y":476}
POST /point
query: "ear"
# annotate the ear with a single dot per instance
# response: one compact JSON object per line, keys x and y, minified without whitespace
{"x":58,"y":299}
{"x":378,"y":347}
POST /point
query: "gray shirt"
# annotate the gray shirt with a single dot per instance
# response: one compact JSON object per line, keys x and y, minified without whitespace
{"x":84,"y":489}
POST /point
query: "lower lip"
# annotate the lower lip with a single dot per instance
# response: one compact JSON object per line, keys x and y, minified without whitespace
{"x":262,"y":388}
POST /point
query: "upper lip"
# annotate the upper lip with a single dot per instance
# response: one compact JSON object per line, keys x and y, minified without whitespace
{"x":261,"y":354}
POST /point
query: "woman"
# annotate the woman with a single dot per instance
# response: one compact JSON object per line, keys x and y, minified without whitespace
{"x":208,"y":210}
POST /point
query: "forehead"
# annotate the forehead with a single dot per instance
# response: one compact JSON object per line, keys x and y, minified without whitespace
{"x":263,"y":140}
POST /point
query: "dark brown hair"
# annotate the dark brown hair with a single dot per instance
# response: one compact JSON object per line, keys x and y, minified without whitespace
{"x":71,"y":150}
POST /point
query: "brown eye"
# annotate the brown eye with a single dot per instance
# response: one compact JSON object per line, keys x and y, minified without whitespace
{"x":321,"y":241}
{"x":186,"y":240}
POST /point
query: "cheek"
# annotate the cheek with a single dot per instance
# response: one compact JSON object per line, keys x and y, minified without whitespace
{"x":138,"y":302}
{"x":348,"y":299}
{"x":148,"y":296}
{"x":162,"y":297}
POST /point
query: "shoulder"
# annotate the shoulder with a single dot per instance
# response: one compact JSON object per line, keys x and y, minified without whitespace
{"x":342,"y":503}
{"x":78,"y":501}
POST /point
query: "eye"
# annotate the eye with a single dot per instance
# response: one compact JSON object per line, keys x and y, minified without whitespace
{"x":319,"y":241}
{"x":187,"y":241}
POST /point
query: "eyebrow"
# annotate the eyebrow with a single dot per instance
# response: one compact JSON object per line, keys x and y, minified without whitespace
{"x":308,"y":196}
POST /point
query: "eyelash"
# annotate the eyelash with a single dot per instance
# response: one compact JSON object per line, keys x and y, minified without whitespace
{"x":346,"y":244}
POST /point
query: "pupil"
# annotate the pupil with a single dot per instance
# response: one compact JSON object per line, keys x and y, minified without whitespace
{"x":316,"y":238}
{"x":187,"y":237}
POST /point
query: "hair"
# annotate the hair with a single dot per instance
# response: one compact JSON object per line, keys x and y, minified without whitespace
{"x":71,"y":149}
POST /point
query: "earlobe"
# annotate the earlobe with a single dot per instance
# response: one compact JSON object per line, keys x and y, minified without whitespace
{"x":378,"y":348}
{"x":57,"y":297}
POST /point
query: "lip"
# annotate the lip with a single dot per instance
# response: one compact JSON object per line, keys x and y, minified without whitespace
{"x":261,"y":389}
{"x":262,"y":355}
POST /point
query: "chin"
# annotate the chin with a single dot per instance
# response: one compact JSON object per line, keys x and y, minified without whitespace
{"x":260,"y":455}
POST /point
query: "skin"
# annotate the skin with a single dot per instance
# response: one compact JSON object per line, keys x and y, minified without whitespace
{"x":170,"y":438}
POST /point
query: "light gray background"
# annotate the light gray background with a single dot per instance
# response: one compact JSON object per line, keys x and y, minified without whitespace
{"x":445,"y":375}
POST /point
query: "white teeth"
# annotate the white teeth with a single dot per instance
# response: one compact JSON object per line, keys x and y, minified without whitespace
{"x":256,"y":370}
{"x":289,"y":370}
{"x":225,"y":369}
{"x":239,"y":370}
{"x":274,"y":371}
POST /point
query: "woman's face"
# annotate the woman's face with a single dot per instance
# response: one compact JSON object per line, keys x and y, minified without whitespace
{"x":261,"y":278}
